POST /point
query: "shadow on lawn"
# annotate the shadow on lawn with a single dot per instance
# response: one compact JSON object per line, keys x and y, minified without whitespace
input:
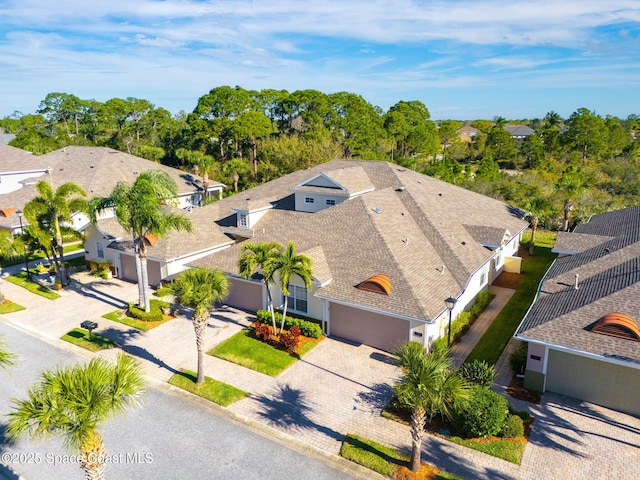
{"x":289,"y":409}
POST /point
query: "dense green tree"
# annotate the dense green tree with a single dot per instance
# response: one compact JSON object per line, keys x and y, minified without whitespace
{"x":533,"y":150}
{"x":140,"y":210}
{"x":200,"y":289}
{"x":412,"y":131}
{"x":501,"y":146}
{"x":74,"y":401}
{"x":586,"y":132}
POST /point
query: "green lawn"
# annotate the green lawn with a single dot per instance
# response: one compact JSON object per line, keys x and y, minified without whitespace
{"x":20,"y":279}
{"x":9,"y":307}
{"x":491,"y":345}
{"x":383,"y":459}
{"x":120,"y":317}
{"x":249,"y":352}
{"x":509,"y":449}
{"x":80,"y":337}
{"x":213,"y":390}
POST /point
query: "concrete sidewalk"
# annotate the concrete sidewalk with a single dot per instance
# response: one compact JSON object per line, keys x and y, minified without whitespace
{"x":338,"y":388}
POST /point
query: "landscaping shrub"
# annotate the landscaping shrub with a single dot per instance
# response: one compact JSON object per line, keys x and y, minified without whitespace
{"x":479,"y":373}
{"x":307,"y":328}
{"x":513,"y":427}
{"x":154,"y":315}
{"x":289,"y":341}
{"x":482,"y":416}
{"x":518,"y":359}
{"x":163,"y":292}
{"x":262,"y":331}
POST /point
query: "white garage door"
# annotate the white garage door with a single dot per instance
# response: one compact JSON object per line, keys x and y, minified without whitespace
{"x":244,"y":295}
{"x":374,"y":329}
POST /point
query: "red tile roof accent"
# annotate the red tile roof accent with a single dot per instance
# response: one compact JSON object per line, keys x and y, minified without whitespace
{"x":617,"y":325}
{"x":378,"y":284}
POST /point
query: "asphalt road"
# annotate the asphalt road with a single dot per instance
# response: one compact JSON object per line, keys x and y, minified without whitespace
{"x":168,"y":438}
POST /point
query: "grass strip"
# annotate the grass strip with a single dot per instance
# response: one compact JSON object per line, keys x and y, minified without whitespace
{"x":385,"y":460}
{"x":10,"y":307}
{"x":495,"y":339}
{"x":21,"y":280}
{"x":509,"y":449}
{"x":212,"y":390}
{"x":252,"y":353}
{"x":80,"y":337}
{"x":120,"y":317}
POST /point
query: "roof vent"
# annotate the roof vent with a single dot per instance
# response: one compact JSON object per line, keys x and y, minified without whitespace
{"x":401,"y":188}
{"x":377,"y":210}
{"x":617,"y":325}
{"x":377,"y":284}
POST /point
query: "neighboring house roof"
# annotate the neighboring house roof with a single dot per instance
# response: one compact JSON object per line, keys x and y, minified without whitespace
{"x":572,"y":242}
{"x":206,"y":235}
{"x":607,"y":274}
{"x":96,"y":169}
{"x":468,"y":130}
{"x":519,"y":131}
{"x":408,"y":228}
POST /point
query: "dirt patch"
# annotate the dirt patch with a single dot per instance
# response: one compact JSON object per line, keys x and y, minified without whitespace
{"x":508,"y":280}
{"x":516,"y":390}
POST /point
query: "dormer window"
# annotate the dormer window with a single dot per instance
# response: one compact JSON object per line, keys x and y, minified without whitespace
{"x":242,"y":220}
{"x":309,"y":200}
{"x":330,"y":202}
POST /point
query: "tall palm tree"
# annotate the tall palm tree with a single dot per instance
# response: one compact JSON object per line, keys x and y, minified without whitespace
{"x":286,"y":265}
{"x":9,"y":245}
{"x":429,"y":386}
{"x":200,"y":289}
{"x":74,"y":401}
{"x":50,"y":211}
{"x":262,"y":257}
{"x":139,"y":210}
{"x":7,"y":357}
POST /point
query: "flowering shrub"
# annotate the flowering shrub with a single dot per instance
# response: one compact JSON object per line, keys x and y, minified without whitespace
{"x":289,"y":341}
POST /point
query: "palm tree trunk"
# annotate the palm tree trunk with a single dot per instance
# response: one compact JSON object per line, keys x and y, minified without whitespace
{"x":93,"y":454}
{"x":200,"y":327}
{"x":284,"y":311}
{"x":145,"y":280}
{"x":62,"y":270}
{"x":270,"y":306}
{"x":534,"y":228}
{"x":418,"y":417}
{"x":136,"y":255}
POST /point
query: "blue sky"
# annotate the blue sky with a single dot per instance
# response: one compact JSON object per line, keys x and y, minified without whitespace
{"x":463,"y":59}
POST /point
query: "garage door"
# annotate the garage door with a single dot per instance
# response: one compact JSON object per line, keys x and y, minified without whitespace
{"x":245,"y":295}
{"x":379,"y":331}
{"x":128,"y":270}
{"x":612,"y":386}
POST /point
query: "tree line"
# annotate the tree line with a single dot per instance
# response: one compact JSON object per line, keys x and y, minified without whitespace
{"x":566,"y":171}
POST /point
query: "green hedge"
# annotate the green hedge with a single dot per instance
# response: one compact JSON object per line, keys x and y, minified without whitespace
{"x":154,"y":315}
{"x":464,"y":320}
{"x":307,"y":328}
{"x":483,"y":415}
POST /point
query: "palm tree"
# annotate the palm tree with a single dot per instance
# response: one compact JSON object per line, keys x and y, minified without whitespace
{"x":7,"y":357}
{"x":428,"y":386}
{"x":262,"y":257}
{"x":286,"y":265}
{"x":200,"y":289}
{"x":74,"y":401}
{"x":50,"y":211}
{"x":139,"y":210}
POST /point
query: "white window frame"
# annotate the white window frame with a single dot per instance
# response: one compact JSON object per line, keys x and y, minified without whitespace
{"x":298,"y":297}
{"x":498,"y":258}
{"x":243,"y":220}
{"x":100,"y":250}
{"x":483,"y":277}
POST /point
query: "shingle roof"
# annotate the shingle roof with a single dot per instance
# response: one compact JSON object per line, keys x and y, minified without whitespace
{"x":418,"y":229}
{"x":95,"y":169}
{"x":519,"y":130}
{"x":572,"y":243}
{"x":608,"y":280}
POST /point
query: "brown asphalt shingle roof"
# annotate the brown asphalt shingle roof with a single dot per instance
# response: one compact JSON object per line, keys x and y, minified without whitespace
{"x":418,"y":229}
{"x":608,"y":282}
